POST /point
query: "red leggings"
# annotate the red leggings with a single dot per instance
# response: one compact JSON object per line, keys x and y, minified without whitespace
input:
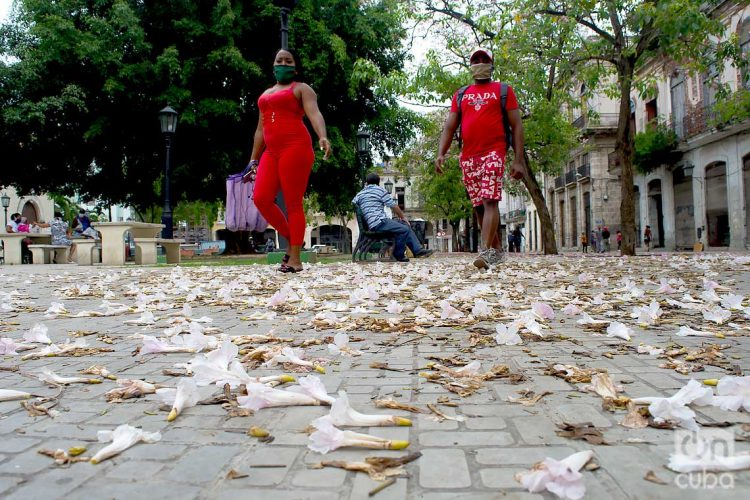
{"x":288,"y":168}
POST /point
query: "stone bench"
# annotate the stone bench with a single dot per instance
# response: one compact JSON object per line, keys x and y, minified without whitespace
{"x":43,"y":253}
{"x":145,"y":250}
{"x":88,"y":252}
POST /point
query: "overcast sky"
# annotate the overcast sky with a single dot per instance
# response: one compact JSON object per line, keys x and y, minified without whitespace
{"x":5,"y":8}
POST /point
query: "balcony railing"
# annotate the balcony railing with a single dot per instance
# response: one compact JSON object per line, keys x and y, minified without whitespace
{"x":517,"y":214}
{"x":601,"y":121}
{"x":570,"y":177}
{"x":559,"y":182}
{"x":584,"y":171}
{"x":695,"y":122}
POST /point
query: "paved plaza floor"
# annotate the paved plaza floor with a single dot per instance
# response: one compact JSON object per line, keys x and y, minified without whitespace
{"x":417,"y":326}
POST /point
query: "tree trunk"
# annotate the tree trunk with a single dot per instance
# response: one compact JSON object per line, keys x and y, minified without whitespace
{"x":549,"y":245}
{"x":624,"y":151}
{"x":454,"y":236}
{"x":345,"y":236}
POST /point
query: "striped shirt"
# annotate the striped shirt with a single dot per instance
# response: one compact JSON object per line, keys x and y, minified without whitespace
{"x":371,"y":201}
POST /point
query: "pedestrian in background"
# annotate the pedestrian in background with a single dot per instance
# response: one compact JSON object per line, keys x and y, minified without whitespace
{"x":584,"y":243}
{"x":593,"y":241}
{"x":599,"y":246}
{"x":517,"y":236}
{"x":619,"y":239}
{"x":605,"y":239}
{"x":647,"y":238}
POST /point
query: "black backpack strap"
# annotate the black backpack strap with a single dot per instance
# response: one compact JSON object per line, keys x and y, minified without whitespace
{"x":459,"y":98}
{"x":506,"y":122}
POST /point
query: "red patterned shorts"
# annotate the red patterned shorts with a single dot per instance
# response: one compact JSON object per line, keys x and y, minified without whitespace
{"x":483,"y":176}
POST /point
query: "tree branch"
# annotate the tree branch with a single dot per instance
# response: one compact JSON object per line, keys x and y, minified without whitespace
{"x":616,"y":25}
{"x":580,"y":20}
{"x":647,"y":41}
{"x":462,"y":18}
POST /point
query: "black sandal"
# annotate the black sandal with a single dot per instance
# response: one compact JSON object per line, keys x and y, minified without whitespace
{"x":289,"y":269}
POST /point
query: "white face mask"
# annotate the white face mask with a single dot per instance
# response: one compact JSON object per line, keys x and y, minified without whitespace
{"x":481,"y":71}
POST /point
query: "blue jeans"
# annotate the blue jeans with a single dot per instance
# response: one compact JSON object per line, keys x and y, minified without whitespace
{"x":403,"y":235}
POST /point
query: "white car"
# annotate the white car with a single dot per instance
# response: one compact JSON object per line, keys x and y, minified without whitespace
{"x":324,"y":249}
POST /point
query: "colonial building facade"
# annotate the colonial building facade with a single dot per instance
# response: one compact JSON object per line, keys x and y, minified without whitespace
{"x":703,"y":196}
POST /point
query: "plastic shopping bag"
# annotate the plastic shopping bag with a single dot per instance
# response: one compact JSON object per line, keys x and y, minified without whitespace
{"x":242,"y":214}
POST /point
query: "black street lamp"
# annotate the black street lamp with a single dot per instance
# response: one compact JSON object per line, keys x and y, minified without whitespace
{"x":168,"y":121}
{"x":286,"y":8}
{"x":363,"y":147}
{"x":388,"y":185}
{"x":5,"y":199}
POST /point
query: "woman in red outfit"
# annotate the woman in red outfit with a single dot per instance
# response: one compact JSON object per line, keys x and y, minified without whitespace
{"x":283,"y":153}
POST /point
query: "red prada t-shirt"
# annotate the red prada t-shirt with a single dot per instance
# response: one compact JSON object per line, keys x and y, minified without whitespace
{"x":482,"y":119}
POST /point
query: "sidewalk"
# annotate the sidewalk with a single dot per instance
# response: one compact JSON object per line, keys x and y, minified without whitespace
{"x":473,"y":457}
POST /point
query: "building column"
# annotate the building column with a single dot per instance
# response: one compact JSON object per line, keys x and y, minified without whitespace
{"x":735,"y":198}
{"x":699,"y":200}
{"x":667,"y":208}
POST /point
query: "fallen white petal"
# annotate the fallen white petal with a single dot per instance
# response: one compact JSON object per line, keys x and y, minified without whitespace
{"x":123,"y":437}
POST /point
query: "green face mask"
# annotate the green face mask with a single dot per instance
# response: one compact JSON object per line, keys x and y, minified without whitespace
{"x":284,"y":74}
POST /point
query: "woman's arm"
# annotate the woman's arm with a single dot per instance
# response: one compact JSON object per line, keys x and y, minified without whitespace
{"x":258,"y":142}
{"x":310,"y":105}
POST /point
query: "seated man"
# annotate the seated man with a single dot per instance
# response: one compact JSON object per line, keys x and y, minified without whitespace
{"x":371,"y":201}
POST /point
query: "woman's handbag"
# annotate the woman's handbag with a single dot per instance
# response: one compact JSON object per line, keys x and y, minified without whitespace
{"x":242,"y":214}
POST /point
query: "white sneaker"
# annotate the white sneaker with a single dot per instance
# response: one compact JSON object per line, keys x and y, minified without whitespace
{"x":482,"y":261}
{"x":497,"y":256}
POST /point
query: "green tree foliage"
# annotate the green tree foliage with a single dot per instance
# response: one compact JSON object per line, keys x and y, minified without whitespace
{"x":444,"y":195}
{"x":196,"y":213}
{"x":655,"y":146}
{"x":735,"y":108}
{"x":81,"y":82}
{"x":527,"y":55}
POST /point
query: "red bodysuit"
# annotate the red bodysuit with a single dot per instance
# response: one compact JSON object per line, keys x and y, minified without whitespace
{"x":286,"y":163}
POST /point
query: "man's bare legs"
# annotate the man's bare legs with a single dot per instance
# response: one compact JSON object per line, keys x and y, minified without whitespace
{"x":490,"y":220}
{"x":488,"y":217}
{"x":479,"y":212}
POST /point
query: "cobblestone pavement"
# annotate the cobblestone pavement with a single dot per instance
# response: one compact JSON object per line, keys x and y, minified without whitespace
{"x":474,"y":458}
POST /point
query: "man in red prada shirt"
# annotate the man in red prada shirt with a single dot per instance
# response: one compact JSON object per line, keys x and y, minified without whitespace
{"x":483,"y":153}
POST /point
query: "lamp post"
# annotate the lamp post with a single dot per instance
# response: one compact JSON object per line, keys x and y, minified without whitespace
{"x":388,"y":185}
{"x":363,"y":147}
{"x":168,"y":121}
{"x":5,"y":199}
{"x":286,"y":7}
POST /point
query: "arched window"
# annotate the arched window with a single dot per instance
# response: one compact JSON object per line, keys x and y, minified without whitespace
{"x":744,"y":37}
{"x":30,"y":211}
